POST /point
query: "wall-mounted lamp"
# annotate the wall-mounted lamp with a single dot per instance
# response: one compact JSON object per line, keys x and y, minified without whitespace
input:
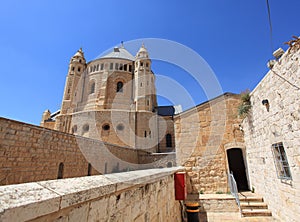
{"x":265,"y":102}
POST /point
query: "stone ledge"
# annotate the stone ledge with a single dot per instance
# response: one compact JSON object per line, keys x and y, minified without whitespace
{"x":31,"y":200}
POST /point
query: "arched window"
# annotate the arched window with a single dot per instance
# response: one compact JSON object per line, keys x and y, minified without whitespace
{"x":74,"y":129}
{"x":169,"y":140}
{"x":89,"y":169}
{"x":92,"y":87}
{"x":60,"y":173}
{"x":119,"y":87}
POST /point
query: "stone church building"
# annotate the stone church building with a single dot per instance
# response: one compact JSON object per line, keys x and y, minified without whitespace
{"x":113,"y":99}
{"x":110,"y":107}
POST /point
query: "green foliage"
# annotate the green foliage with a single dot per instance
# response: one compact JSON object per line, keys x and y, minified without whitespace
{"x":219,"y":192}
{"x":201,"y":192}
{"x":245,"y":106}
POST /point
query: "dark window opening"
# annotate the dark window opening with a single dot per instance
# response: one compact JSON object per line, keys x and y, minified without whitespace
{"x":80,"y":60}
{"x":97,"y":67}
{"x":60,"y":173}
{"x":145,"y":133}
{"x":117,"y":66}
{"x":73,"y":68}
{"x":169,"y":140}
{"x":74,"y":129}
{"x":105,"y":168}
{"x":102,"y":66}
{"x":111,"y":66}
{"x":142,"y":63}
{"x":106,"y":127}
{"x":89,"y":169}
{"x":92,"y":88}
{"x":78,"y":69}
{"x":281,"y":161}
{"x":119,"y":87}
{"x":147,"y":64}
{"x":169,"y":164}
{"x":121,"y":67}
{"x":85,"y":128}
{"x":125,"y":67}
{"x":130,"y":68}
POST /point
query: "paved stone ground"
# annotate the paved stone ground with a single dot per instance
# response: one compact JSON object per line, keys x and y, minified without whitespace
{"x":221,"y":217}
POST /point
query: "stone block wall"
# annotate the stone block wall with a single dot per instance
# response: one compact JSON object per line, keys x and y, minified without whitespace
{"x":31,"y":153}
{"x":280,"y":122}
{"x":145,"y":195}
{"x":202,"y":136}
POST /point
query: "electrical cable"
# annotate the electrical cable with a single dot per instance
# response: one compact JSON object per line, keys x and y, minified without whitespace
{"x":270,"y":24}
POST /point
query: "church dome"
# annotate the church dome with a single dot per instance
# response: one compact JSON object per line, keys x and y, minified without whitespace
{"x":119,"y":53}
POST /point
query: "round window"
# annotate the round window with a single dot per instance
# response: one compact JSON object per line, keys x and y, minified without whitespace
{"x":86,"y":128}
{"x":106,"y":127}
{"x":120,"y":127}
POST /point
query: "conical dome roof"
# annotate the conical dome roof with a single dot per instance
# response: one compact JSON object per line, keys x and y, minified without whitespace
{"x":79,"y":53}
{"x":142,"y":53}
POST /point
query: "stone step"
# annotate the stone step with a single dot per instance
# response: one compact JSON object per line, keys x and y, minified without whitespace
{"x":254,"y":205}
{"x":256,"y":213}
{"x":251,"y":199}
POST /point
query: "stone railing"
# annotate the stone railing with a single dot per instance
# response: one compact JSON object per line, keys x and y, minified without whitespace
{"x":144,"y":195}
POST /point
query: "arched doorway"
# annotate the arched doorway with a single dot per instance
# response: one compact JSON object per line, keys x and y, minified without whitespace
{"x":237,"y":167}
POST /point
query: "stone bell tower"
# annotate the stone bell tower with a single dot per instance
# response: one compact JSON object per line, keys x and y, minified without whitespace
{"x":145,"y":93}
{"x":77,"y":66}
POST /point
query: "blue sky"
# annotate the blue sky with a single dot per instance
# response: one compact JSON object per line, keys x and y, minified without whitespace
{"x":39,"y":37}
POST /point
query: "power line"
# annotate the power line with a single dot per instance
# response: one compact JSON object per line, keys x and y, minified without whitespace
{"x":270,"y":24}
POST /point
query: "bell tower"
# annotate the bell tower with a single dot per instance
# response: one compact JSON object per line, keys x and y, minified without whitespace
{"x":76,"y":67}
{"x":144,"y":80}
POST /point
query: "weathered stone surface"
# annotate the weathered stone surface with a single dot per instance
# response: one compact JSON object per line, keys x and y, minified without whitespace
{"x":26,"y":201}
{"x":31,"y":153}
{"x":142,"y":196}
{"x":279,"y":123}
{"x":203,"y":135}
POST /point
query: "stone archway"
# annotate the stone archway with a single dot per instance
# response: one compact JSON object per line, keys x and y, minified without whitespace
{"x":236,"y":165}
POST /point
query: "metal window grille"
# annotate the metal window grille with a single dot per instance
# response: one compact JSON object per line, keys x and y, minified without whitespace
{"x":281,"y":161}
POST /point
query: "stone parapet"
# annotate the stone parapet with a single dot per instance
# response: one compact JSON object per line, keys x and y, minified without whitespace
{"x":144,"y":195}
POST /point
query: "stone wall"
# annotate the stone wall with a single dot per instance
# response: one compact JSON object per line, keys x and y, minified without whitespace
{"x":202,"y":136}
{"x":278,"y":123}
{"x":145,"y":195}
{"x":32,"y":153}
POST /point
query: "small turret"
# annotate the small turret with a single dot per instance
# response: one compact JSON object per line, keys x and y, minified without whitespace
{"x":46,"y":116}
{"x":142,"y":53}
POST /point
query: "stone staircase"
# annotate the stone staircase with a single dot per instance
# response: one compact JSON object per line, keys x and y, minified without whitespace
{"x":253,"y":205}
